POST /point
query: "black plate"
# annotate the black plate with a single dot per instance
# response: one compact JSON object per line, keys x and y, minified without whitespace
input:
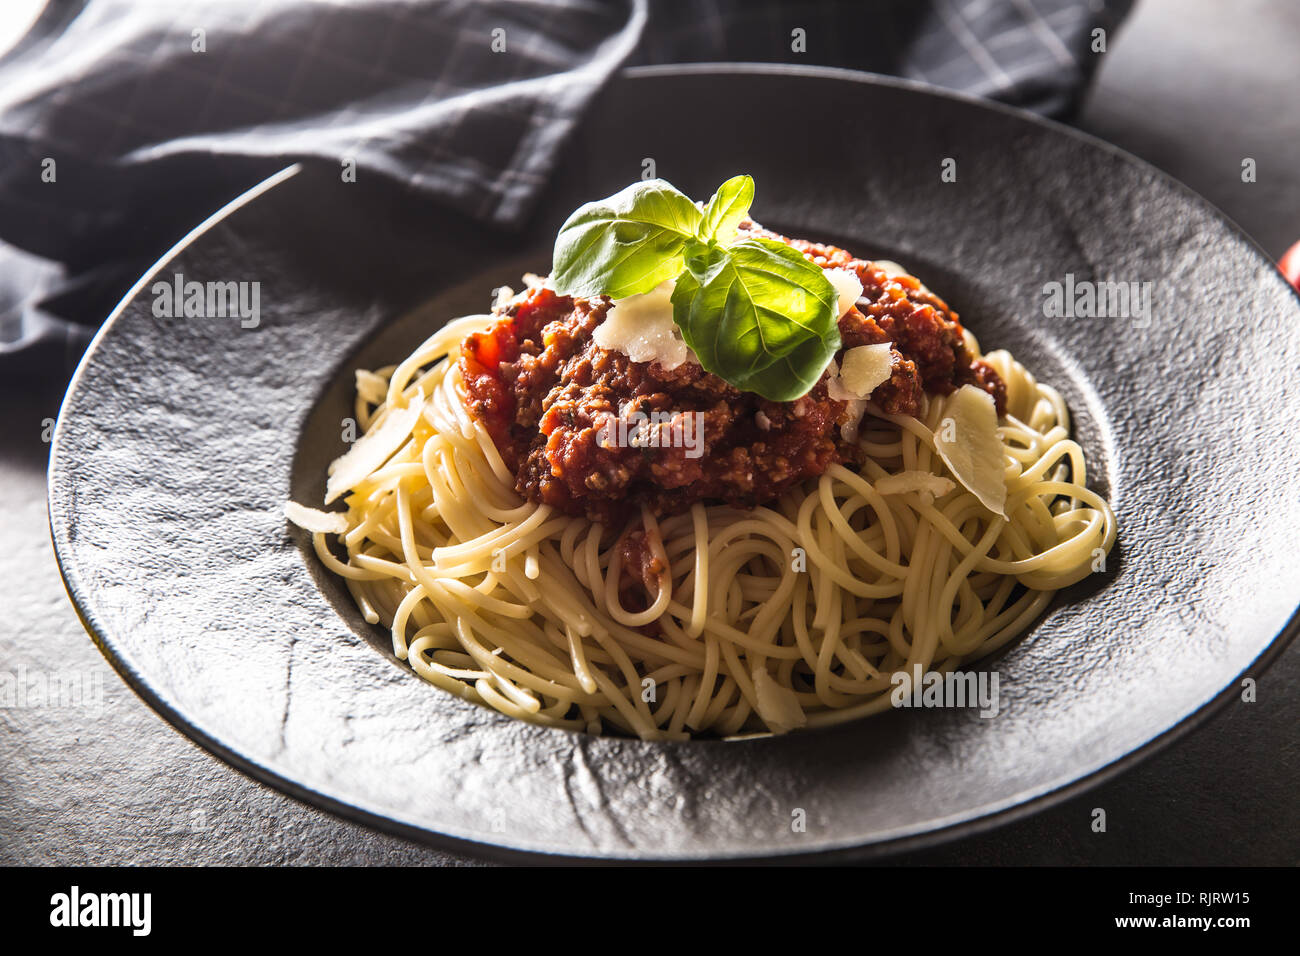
{"x":181,"y":438}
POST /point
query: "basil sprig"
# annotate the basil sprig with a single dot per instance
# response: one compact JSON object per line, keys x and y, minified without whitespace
{"x":757,"y":313}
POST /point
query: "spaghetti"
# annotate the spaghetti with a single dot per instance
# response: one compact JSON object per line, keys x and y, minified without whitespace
{"x":791,"y":614}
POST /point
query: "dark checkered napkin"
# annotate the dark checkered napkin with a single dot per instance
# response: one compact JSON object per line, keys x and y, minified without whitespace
{"x":167,"y":108}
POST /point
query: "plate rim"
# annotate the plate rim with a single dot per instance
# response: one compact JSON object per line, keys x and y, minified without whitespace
{"x":875,"y":850}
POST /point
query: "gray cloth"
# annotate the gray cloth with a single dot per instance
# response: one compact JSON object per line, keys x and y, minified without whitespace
{"x":155,"y":113}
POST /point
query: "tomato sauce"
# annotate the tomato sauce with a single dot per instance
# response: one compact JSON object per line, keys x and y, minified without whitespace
{"x":546,"y":393}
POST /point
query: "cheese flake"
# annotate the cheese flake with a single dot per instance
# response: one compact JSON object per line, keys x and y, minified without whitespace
{"x":373,"y":449}
{"x":967,"y":441}
{"x":310,"y":519}
{"x":777,"y":705}
{"x":642,"y":328}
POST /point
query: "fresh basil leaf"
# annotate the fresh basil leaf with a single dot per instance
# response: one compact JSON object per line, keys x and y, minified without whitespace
{"x":758,"y":315}
{"x":725,"y":210}
{"x":794,"y":375}
{"x":626,"y":244}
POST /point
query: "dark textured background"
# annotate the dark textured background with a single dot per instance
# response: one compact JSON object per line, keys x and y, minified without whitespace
{"x":1190,"y":86}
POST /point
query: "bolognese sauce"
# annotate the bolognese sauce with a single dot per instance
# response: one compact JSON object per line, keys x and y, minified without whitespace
{"x":544,"y":389}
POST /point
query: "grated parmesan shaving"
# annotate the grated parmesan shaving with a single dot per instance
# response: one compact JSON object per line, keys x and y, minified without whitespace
{"x":854,"y":411}
{"x":372,"y":388}
{"x":501,"y":296}
{"x":778,"y":706}
{"x":847,"y":287}
{"x":642,"y":328}
{"x":373,"y":449}
{"x":309,"y":519}
{"x":967,"y":441}
{"x":867,"y":367}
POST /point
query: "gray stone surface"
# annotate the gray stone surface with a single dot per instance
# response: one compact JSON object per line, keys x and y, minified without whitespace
{"x":1191,"y":85}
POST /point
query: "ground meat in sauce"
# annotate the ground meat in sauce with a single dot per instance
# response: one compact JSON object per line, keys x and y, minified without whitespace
{"x":543,"y":388}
